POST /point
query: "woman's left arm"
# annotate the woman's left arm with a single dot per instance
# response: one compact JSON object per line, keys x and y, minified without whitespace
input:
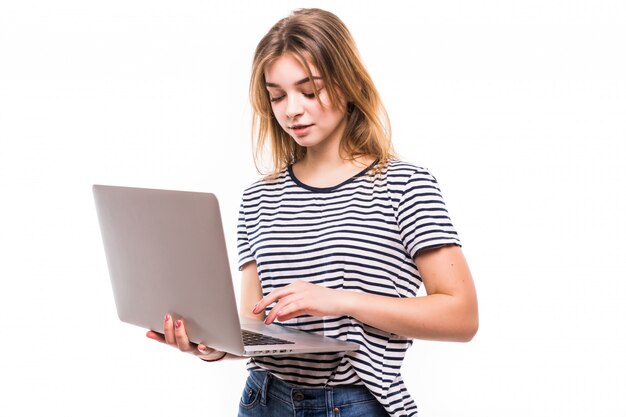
{"x":448,"y":312}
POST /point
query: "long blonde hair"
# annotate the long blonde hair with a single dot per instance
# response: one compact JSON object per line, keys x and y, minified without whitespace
{"x":319,"y":38}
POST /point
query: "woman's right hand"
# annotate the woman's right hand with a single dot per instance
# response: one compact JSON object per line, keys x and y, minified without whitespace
{"x":175,"y":335}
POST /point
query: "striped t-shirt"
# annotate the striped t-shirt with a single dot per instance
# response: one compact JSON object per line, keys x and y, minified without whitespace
{"x":361,"y":235}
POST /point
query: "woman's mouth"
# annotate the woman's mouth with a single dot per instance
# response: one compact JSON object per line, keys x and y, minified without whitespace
{"x":300,"y":130}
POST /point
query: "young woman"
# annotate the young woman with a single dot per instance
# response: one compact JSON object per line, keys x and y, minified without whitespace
{"x":339,"y":237}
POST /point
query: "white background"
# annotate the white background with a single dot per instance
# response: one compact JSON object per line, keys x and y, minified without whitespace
{"x":518,"y":108}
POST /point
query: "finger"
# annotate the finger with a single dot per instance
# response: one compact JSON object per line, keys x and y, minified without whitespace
{"x":293,"y":309}
{"x":205,"y":350}
{"x":182,"y":341}
{"x":271,"y":316}
{"x":263,"y":302}
{"x":278,"y":308}
{"x":155,"y":336}
{"x":168,"y":330}
{"x":271,"y":298}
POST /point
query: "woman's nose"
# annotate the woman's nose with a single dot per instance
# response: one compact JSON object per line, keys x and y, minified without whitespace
{"x":294,"y":107}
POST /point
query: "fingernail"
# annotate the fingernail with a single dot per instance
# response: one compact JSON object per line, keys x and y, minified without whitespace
{"x":178,"y":323}
{"x":202,"y":348}
{"x":255,"y":306}
{"x":167,"y":317}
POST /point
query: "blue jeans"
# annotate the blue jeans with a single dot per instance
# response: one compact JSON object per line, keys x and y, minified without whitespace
{"x":268,"y":396}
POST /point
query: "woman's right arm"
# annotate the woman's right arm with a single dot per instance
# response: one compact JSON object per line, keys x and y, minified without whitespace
{"x":251,"y":291}
{"x":175,"y":335}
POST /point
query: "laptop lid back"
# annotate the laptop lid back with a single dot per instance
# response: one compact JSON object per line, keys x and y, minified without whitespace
{"x":166,"y":253}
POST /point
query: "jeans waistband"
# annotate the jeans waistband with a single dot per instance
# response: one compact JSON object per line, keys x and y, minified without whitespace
{"x":308,"y":397}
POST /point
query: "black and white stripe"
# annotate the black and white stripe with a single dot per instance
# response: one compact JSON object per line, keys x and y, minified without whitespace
{"x":361,"y":235}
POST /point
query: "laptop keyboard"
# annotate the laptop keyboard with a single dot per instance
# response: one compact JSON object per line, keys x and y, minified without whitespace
{"x":251,"y":339}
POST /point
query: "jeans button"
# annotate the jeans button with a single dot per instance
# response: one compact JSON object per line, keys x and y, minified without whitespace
{"x":298,"y":396}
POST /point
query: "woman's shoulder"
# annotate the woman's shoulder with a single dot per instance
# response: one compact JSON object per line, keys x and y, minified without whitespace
{"x":397,"y":168}
{"x":267,"y":183}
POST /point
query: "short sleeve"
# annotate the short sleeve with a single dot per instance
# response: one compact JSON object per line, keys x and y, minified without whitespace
{"x":422,"y":215}
{"x":243,"y":245}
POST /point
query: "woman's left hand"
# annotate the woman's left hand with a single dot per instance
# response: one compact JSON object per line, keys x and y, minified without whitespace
{"x":301,"y":298}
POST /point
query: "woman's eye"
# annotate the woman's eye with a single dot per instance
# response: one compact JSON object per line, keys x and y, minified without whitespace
{"x":275,"y":99}
{"x":312,"y":94}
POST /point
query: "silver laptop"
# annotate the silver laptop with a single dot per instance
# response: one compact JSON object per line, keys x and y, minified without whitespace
{"x":166,"y":253}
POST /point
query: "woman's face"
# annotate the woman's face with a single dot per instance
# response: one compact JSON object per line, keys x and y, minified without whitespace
{"x":296,"y":108}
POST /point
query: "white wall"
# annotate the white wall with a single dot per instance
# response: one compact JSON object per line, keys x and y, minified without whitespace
{"x":517,"y":107}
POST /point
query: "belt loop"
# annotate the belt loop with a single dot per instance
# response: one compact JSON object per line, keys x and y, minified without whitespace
{"x":264,"y":388}
{"x":330,"y":399}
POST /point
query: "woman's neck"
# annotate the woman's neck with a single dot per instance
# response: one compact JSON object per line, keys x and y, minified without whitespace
{"x":328,"y":170}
